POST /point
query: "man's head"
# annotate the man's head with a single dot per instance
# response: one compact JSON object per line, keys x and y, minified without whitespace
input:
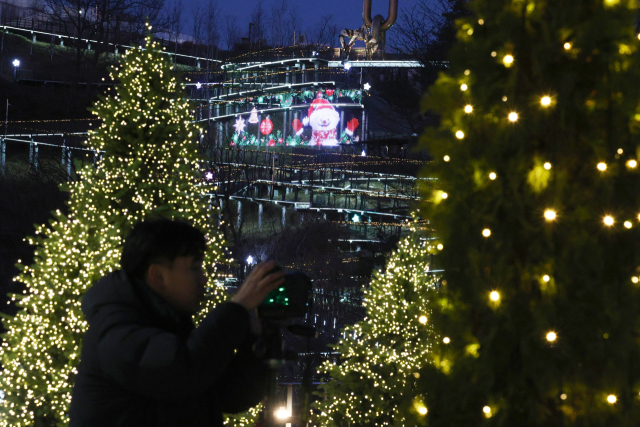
{"x":167,"y":256}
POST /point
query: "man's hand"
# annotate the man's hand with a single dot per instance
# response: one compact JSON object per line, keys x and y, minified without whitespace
{"x":258,"y":285}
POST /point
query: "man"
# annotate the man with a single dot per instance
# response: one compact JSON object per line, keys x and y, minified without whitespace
{"x":143,"y":362}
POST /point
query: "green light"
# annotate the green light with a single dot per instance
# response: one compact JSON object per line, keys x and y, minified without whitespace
{"x":281,"y":289}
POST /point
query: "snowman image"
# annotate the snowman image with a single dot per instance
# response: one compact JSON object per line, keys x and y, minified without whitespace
{"x":323,"y":119}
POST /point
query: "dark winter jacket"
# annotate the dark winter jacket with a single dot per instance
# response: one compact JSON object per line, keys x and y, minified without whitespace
{"x":143,"y":364}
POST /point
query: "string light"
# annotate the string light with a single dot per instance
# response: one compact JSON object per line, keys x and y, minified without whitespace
{"x":492,"y":176}
{"x":628,"y":224}
{"x":468,"y":109}
{"x":632,"y":164}
{"x":612,"y":399}
{"x":459,"y":134}
{"x":634,"y":279}
{"x":547,"y":166}
{"x":551,"y":336}
{"x":507,"y":60}
{"x":513,"y":116}
{"x":545,"y":101}
{"x":463,"y":87}
{"x":549,"y":214}
{"x":602,"y":166}
{"x":446,"y":158}
{"x":608,"y":220}
{"x":486,"y":232}
{"x":546,"y":278}
{"x":567,"y":46}
{"x":494,"y":296}
{"x":446,"y":340}
{"x":423,"y":319}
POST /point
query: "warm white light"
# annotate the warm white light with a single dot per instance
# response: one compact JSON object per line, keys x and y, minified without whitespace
{"x":444,"y":195}
{"x":440,"y":246}
{"x":494,"y":295}
{"x":551,"y":336}
{"x":459,"y":134}
{"x":563,"y":396}
{"x":635,"y":279}
{"x":608,"y":220}
{"x":547,"y":166}
{"x":567,"y":46}
{"x":628,"y":224}
{"x":486,"y":410}
{"x":602,"y":166}
{"x":447,"y":158}
{"x":468,"y":109}
{"x":549,"y":215}
{"x":423,"y":320}
{"x":423,"y":410}
{"x":545,"y":101}
{"x":546,"y":278}
{"x":513,"y":116}
{"x":463,"y":87}
{"x":507,"y":60}
{"x":492,"y":176}
{"x":481,"y":21}
{"x":486,"y":232}
{"x":632,"y":164}
{"x":282,"y":413}
{"x":612,"y":399}
{"x":446,"y":340}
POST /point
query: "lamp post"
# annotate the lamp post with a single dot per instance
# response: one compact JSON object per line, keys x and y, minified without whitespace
{"x":16,"y":64}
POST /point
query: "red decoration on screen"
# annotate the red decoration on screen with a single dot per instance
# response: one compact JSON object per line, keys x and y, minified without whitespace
{"x":266,"y":126}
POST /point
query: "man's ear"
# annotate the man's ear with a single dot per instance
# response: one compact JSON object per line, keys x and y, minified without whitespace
{"x":155,"y":277}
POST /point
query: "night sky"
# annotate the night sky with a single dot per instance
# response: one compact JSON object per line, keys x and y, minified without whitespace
{"x":346,"y":13}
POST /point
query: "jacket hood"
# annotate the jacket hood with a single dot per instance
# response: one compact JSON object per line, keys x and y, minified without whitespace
{"x":114,"y":288}
{"x":117,"y":289}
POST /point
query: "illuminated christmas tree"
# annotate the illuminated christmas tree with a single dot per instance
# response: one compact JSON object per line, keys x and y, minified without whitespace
{"x":372,"y":384}
{"x":148,"y":166}
{"x":538,"y":214}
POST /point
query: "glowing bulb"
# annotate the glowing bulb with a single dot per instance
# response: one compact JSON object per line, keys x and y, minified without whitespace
{"x":545,"y":101}
{"x":446,"y":340}
{"x":547,"y":166}
{"x":563,"y":396}
{"x":628,"y":224}
{"x":282,"y":413}
{"x":635,"y":279}
{"x":513,"y":116}
{"x":444,"y":195}
{"x":447,"y":158}
{"x":612,"y":399}
{"x":481,"y":21}
{"x":423,"y":319}
{"x":440,"y":246}
{"x":463,"y":87}
{"x":486,"y":410}
{"x":549,"y":215}
{"x":468,"y":109}
{"x":632,"y":164}
{"x":567,"y":46}
{"x":608,"y":220}
{"x":492,"y":176}
{"x":546,"y":278}
{"x":459,"y":134}
{"x":486,"y":232}
{"x":507,"y":60}
{"x":494,"y":296}
{"x":602,"y":166}
{"x":422,"y":410}
{"x":494,"y":53}
{"x":551,"y":336}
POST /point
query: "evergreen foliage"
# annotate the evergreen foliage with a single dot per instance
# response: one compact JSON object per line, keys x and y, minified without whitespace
{"x":372,"y":384}
{"x":538,"y":213}
{"x":148,"y":166}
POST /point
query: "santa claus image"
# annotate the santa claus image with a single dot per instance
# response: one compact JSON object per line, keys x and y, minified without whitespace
{"x":323,"y":119}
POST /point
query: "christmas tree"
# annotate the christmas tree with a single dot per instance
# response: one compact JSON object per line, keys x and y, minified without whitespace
{"x":372,"y":384}
{"x":148,"y":166}
{"x":538,"y":213}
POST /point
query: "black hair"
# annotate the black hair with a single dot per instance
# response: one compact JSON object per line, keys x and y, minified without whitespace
{"x":157,"y":241}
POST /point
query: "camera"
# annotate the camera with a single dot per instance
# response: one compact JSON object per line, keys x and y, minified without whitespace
{"x":291,"y":299}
